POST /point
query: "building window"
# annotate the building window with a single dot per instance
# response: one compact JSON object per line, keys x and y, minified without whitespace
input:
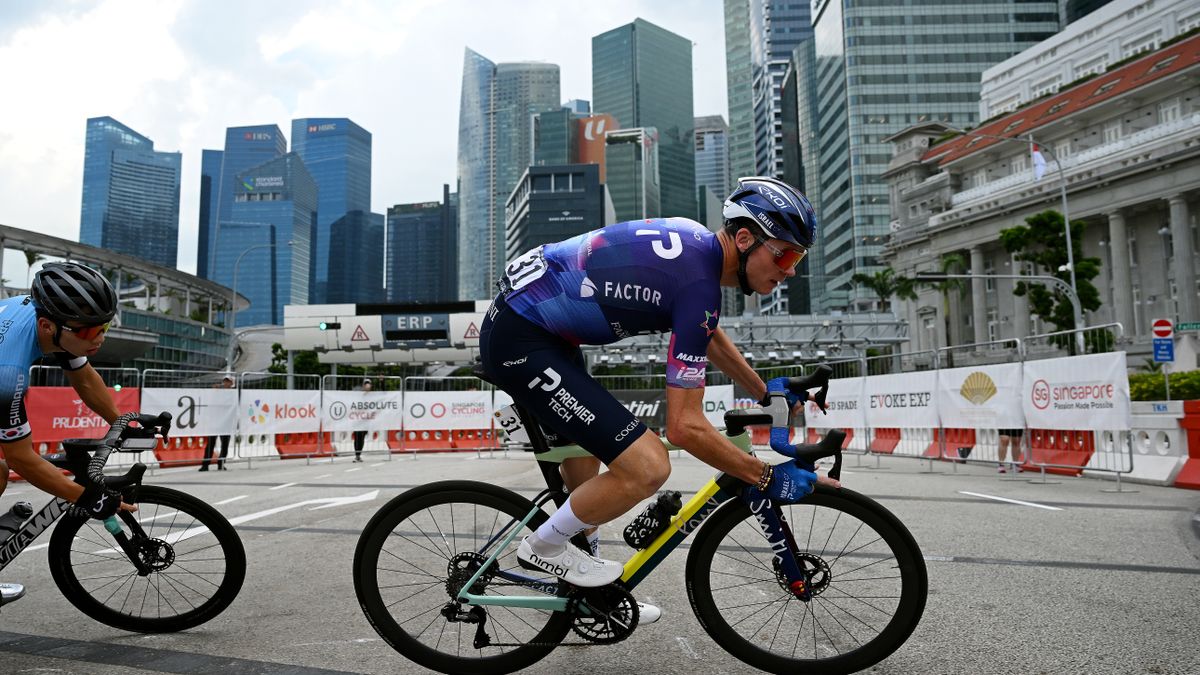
{"x":1044,"y":87}
{"x":1106,"y":87}
{"x":989,"y":284}
{"x":1168,"y":111}
{"x":1112,"y":132}
{"x":1132,"y":246}
{"x":1020,"y":163}
{"x":1062,"y":150}
{"x":993,"y":325}
{"x":1092,"y":67}
{"x":1146,"y":43}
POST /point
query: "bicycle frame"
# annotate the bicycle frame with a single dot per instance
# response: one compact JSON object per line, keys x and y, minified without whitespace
{"x":37,"y":524}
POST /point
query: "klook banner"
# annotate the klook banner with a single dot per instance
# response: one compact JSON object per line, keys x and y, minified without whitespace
{"x":195,"y":412}
{"x":981,"y":397}
{"x":845,"y":406}
{"x":1077,"y":392}
{"x":57,"y":413}
{"x":447,"y":410}
{"x":279,"y":411}
{"x":901,"y":400}
{"x":362,"y":410}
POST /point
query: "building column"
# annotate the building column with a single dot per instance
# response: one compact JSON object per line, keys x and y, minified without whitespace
{"x":1122,"y":289}
{"x":978,"y":296}
{"x":3,"y":284}
{"x":1185,"y":266}
{"x":1020,"y":303}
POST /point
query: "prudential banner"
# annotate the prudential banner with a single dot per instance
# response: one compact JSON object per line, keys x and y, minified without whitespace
{"x":1077,"y":392}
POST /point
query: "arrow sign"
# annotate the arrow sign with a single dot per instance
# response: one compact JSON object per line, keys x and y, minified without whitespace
{"x":1163,"y":328}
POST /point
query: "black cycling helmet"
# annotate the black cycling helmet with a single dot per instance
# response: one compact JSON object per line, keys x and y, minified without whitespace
{"x":779,"y":210}
{"x":66,"y":291}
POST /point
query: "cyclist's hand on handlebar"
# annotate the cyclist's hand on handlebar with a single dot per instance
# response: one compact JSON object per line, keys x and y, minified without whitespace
{"x":98,"y":503}
{"x":790,"y":482}
{"x":778,"y":385}
{"x":150,"y":423}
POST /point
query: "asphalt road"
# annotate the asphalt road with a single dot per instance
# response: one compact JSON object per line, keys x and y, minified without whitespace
{"x":1100,"y":583}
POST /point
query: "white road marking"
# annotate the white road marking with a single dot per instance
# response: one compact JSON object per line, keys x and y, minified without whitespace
{"x":357,"y":468}
{"x":372,"y":466}
{"x":1011,"y":501}
{"x":280,"y":487}
{"x":229,"y":501}
{"x":324,"y":475}
{"x":687,"y":648}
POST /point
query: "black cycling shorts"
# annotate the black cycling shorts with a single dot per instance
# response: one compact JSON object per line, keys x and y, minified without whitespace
{"x":547,"y":376}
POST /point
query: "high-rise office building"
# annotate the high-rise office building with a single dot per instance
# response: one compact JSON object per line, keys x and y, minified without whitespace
{"x":210,"y":177}
{"x":739,"y":87}
{"x":555,"y":137}
{"x":590,"y":147}
{"x":494,"y":149}
{"x":579,"y":106}
{"x":632,"y":163}
{"x":337,"y":154}
{"x":552,"y":203}
{"x":245,"y":148}
{"x":263,"y":249}
{"x":776,"y":28}
{"x":878,"y":74}
{"x":130,"y":193}
{"x":422,"y":260}
{"x":642,"y":76}
{"x":712,"y":156}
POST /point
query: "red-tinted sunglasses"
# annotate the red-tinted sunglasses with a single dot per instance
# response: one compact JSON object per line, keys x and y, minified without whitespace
{"x":87,"y":332}
{"x":785,"y":259}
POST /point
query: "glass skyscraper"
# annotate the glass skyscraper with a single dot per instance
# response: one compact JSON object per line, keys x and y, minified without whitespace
{"x":494,"y":149}
{"x":553,"y":203}
{"x":422,"y":242}
{"x":210,"y":177}
{"x":712,"y":156}
{"x":337,"y":153}
{"x":739,"y":87}
{"x":642,"y":76}
{"x":632,"y":162}
{"x":272,"y":214}
{"x":130,"y":193}
{"x":554,"y":137}
{"x":880,"y":69}
{"x":776,"y":27}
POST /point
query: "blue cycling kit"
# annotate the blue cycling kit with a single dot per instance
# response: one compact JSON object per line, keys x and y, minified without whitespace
{"x":634,"y":278}
{"x":18,"y":350}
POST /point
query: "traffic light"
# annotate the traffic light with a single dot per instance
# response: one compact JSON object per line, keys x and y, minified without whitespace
{"x":329,"y":325}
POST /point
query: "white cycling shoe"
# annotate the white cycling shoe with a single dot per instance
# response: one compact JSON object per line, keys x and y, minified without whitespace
{"x":571,"y":565}
{"x":648,"y":613}
{"x":11,"y":593}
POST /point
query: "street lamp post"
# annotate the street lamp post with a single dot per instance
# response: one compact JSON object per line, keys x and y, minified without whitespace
{"x":1071,"y":294}
{"x":1062,"y":185}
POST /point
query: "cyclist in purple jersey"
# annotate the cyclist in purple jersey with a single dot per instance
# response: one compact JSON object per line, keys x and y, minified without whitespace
{"x":632,"y":278}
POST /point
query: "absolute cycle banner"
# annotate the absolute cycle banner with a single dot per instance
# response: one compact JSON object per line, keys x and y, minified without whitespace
{"x":57,"y":413}
{"x":1077,"y":392}
{"x":362,"y":410}
{"x":447,"y":410}
{"x":903,"y":400}
{"x":845,"y":406}
{"x":194,"y":412}
{"x":981,"y":397}
{"x":279,"y":411}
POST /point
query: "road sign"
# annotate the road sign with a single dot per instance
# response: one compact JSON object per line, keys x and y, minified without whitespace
{"x":1188,"y":327}
{"x":1162,"y":328}
{"x":1164,"y":350}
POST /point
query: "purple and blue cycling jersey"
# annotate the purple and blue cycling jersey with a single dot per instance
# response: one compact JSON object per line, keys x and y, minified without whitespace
{"x":644,"y":276}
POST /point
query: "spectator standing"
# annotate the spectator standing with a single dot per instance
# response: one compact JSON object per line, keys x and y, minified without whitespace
{"x":1011,"y":439}
{"x":226,"y":383}
{"x":360,"y":436}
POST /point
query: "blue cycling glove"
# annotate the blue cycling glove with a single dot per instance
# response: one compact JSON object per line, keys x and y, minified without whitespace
{"x":790,"y":483}
{"x":778,"y":385}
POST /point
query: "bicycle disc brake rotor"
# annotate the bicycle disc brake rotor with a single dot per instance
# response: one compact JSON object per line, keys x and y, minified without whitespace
{"x":814,"y":567}
{"x":156,"y":554}
{"x":603,"y":615}
{"x":460,"y":570}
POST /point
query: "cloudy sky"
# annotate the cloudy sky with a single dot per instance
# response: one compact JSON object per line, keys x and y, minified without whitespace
{"x":181,"y":71}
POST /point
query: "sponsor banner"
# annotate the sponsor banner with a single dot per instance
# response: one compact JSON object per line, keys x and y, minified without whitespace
{"x":717,"y":401}
{"x":845,"y":406}
{"x":195,"y":412}
{"x":981,"y":397}
{"x":1077,"y":392}
{"x":279,"y":411}
{"x":362,"y":410}
{"x":648,"y":405}
{"x":904,"y":400}
{"x":448,"y":410}
{"x":57,"y":413}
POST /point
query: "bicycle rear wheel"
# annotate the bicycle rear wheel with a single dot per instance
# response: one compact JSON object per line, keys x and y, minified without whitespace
{"x":868,"y":595}
{"x":197,"y":560}
{"x":418,"y":551}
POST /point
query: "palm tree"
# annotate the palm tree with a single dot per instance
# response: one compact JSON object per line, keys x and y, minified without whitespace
{"x":31,"y":258}
{"x":885,"y":283}
{"x":951,"y":263}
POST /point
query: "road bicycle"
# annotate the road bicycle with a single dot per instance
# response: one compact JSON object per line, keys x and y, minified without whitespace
{"x":173,"y":564}
{"x":833,"y":583}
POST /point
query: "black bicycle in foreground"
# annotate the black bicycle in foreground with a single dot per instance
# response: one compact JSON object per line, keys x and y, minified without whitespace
{"x":173,"y":564}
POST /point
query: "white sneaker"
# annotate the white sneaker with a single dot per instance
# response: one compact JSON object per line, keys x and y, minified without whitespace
{"x":11,"y":593}
{"x":648,"y":613}
{"x":572,"y":565}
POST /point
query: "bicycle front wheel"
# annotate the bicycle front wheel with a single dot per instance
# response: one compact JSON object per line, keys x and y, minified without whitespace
{"x":422,"y":547}
{"x":196,"y":559}
{"x":868,"y":592}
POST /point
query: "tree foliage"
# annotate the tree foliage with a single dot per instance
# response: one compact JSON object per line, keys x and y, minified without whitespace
{"x":1041,"y":243}
{"x":885,"y":283}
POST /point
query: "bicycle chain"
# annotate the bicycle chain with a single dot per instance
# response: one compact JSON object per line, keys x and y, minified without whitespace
{"x":576,"y":597}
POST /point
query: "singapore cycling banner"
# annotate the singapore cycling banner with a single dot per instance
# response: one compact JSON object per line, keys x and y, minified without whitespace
{"x":57,"y":413}
{"x":279,"y":411}
{"x":195,"y":412}
{"x":447,"y":410}
{"x":981,"y":397}
{"x":1077,"y":392}
{"x":845,"y":406}
{"x":362,"y":410}
{"x":901,"y":400}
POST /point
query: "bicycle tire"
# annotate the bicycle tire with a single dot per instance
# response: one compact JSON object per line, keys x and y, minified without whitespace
{"x":747,"y":616}
{"x":199,"y":563}
{"x":397,"y":552}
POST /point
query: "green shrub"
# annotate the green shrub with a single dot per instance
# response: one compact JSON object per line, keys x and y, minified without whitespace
{"x":1150,"y":386}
